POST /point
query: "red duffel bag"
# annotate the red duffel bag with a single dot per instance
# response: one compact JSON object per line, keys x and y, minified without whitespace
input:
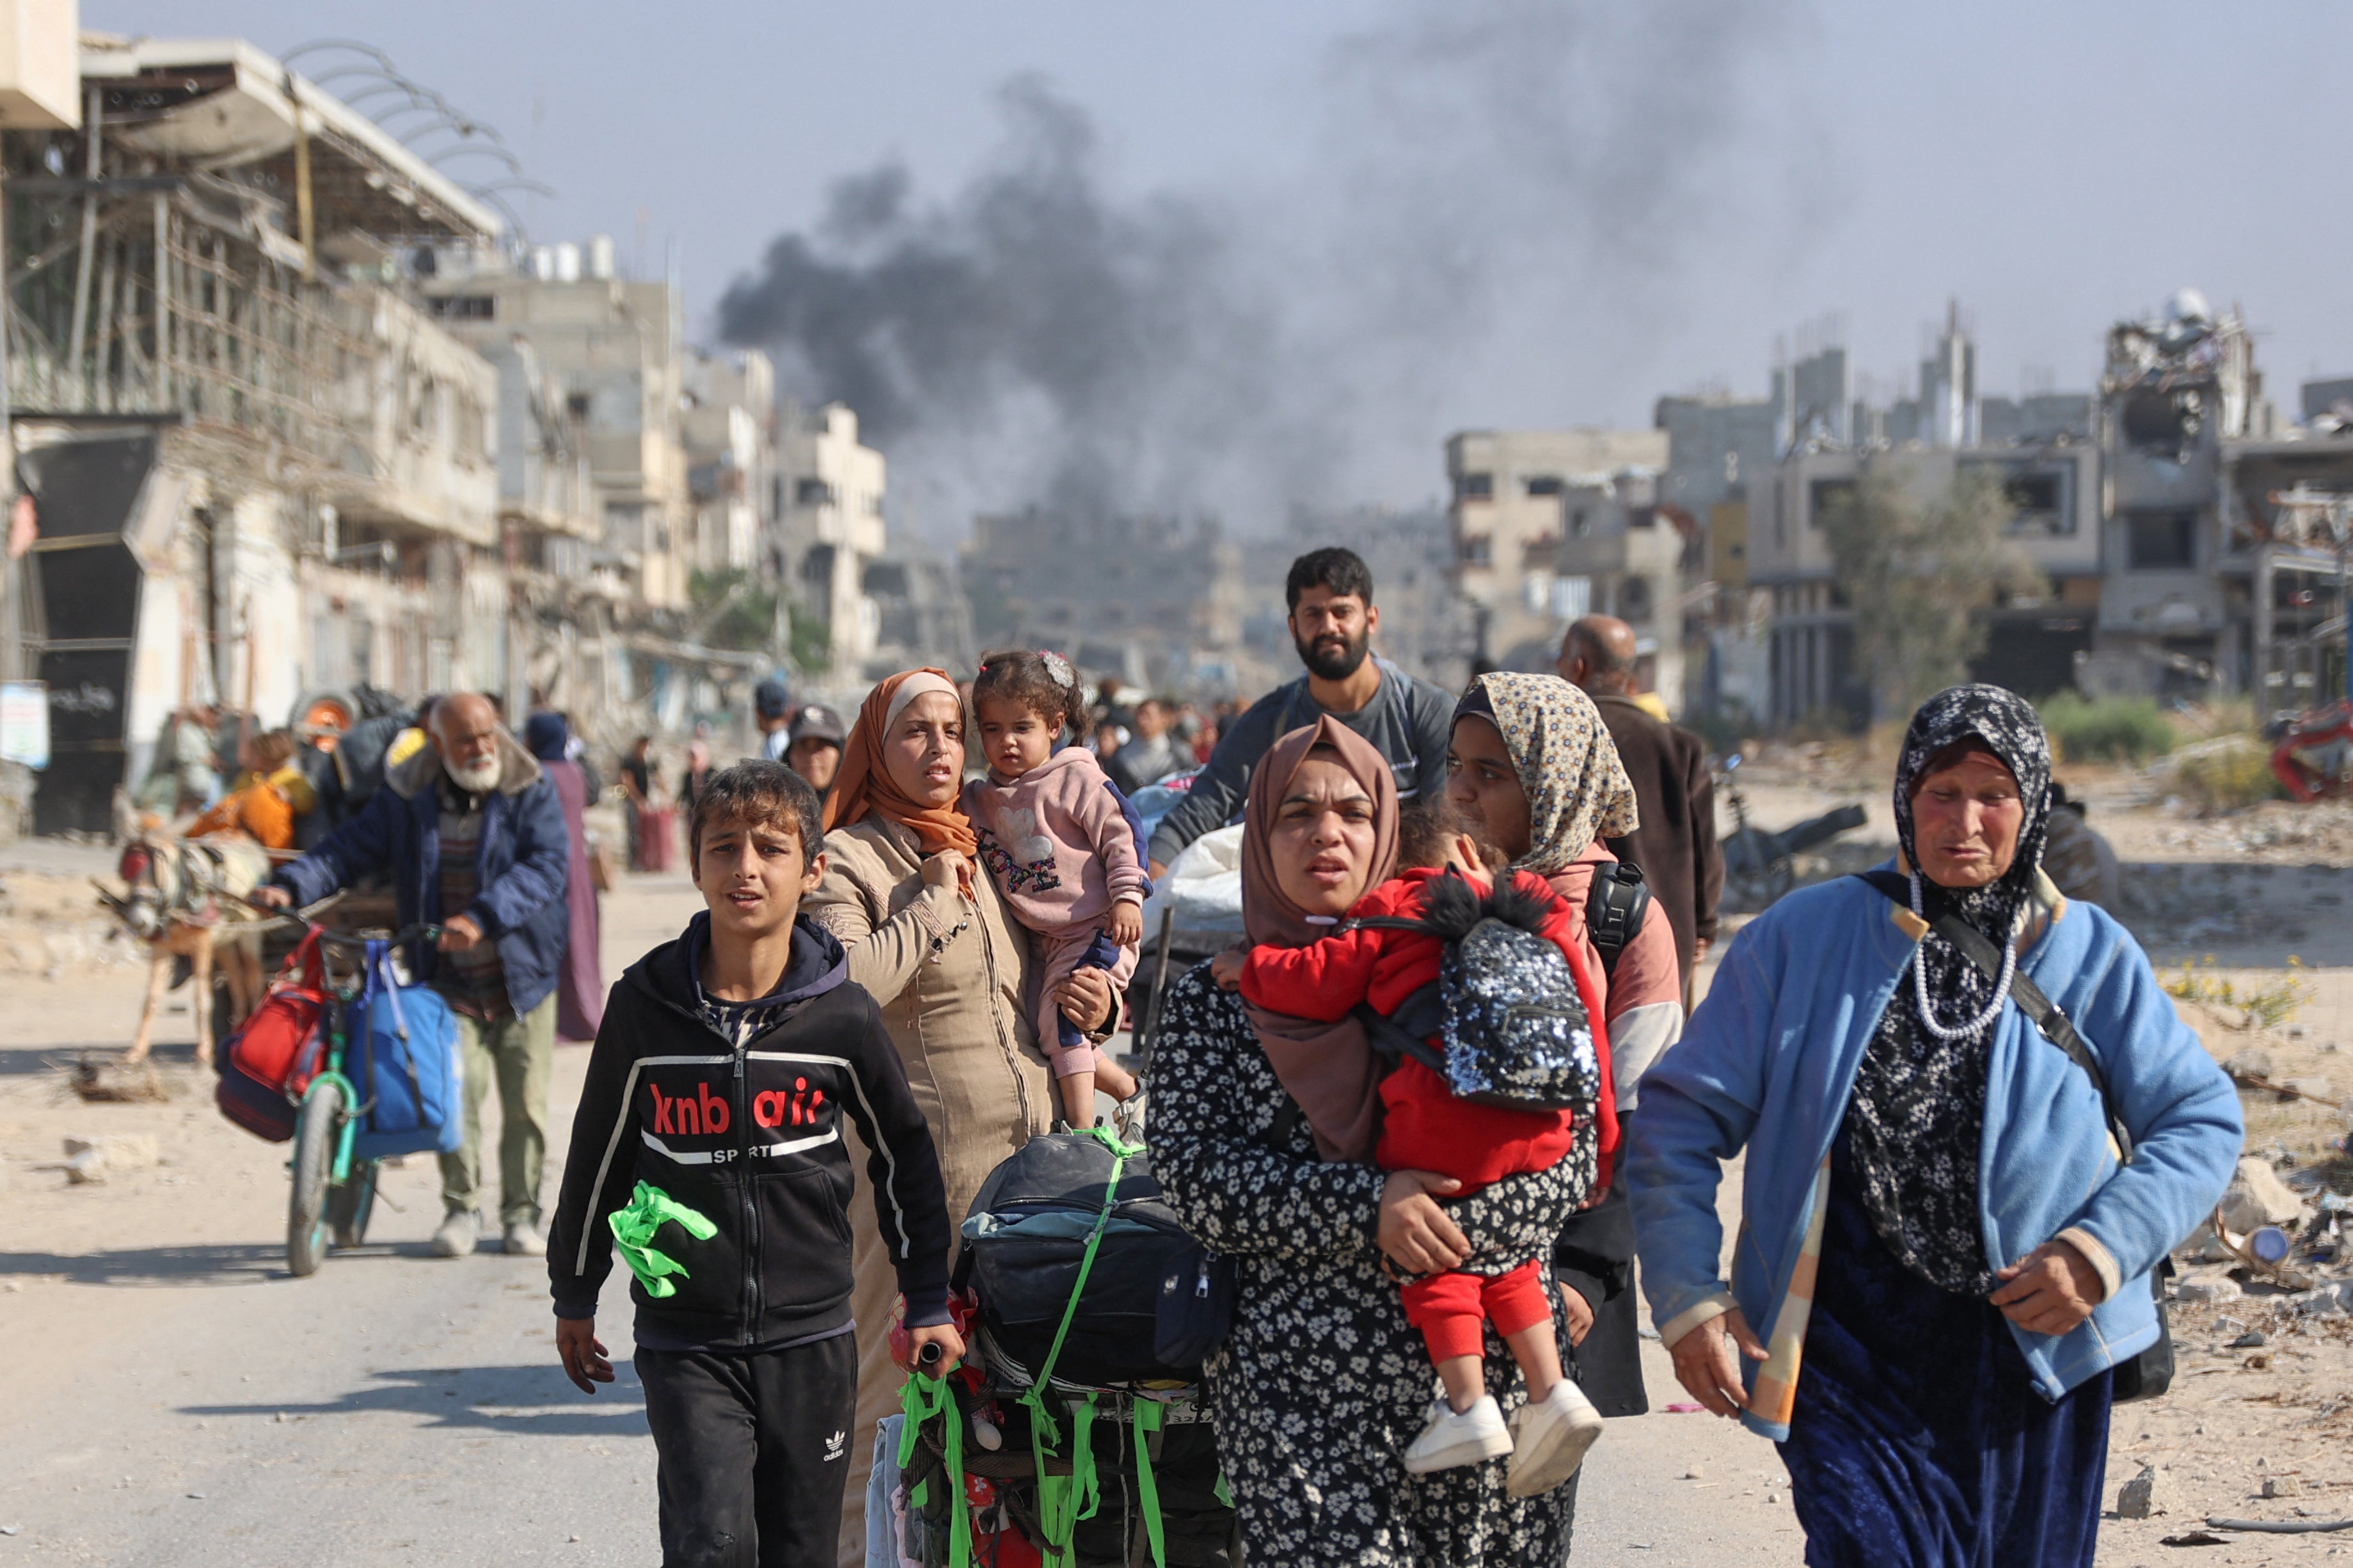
{"x":275,"y":1051}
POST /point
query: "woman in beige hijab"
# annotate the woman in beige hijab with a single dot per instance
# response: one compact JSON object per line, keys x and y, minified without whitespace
{"x":949,"y":968}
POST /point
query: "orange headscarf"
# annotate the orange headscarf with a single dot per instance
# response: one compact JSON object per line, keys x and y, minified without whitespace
{"x":865,"y":786}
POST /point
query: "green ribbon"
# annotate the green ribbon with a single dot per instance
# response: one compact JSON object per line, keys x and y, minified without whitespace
{"x":1222,"y":1492}
{"x":649,"y":1209}
{"x":1147,"y":1422}
{"x":1057,"y":1495}
{"x":923,"y":1399}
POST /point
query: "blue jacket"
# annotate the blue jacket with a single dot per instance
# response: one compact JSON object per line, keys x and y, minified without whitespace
{"x":1770,"y":1058}
{"x":521,"y":867}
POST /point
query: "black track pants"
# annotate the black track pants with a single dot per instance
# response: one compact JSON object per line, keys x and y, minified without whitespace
{"x":754,"y":1452}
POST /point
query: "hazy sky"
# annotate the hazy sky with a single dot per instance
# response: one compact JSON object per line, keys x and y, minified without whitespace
{"x":1628,"y":208}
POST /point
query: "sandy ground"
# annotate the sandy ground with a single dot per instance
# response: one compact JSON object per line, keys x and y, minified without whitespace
{"x":400,"y":1409}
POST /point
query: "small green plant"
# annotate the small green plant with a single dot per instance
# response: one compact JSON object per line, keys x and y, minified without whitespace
{"x":2226,"y":774}
{"x":2106,"y":729}
{"x":2266,"y":1006}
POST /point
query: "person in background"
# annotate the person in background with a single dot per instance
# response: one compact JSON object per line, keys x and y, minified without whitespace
{"x":1153,"y":755}
{"x":1111,"y":706}
{"x":1206,"y":727}
{"x":470,"y":832}
{"x":638,"y":778}
{"x":580,"y":985}
{"x":814,"y":748}
{"x":697,"y":777}
{"x":267,"y":800}
{"x":772,"y":706}
{"x":1332,"y":621}
{"x":1675,"y":846}
{"x":183,"y":777}
{"x":1109,"y":737}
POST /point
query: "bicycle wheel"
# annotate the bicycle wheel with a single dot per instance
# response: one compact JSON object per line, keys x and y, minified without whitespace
{"x":314,"y":1160}
{"x":352,"y":1204}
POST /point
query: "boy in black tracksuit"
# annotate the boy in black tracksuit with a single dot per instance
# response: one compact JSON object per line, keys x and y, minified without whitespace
{"x":709,"y":1142}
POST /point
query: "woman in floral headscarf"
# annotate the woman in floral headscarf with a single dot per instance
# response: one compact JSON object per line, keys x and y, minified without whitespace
{"x":1531,"y":769}
{"x":949,"y":967}
{"x":1936,"y":1227}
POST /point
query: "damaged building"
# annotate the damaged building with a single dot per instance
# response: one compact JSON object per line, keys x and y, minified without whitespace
{"x":1156,"y":601}
{"x":1516,"y":496}
{"x":2151,"y":505}
{"x":297,"y":411}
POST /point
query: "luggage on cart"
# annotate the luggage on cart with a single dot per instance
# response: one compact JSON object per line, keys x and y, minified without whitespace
{"x":1065,"y":1438}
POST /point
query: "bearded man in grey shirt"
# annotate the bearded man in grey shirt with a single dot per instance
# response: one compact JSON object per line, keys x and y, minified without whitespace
{"x":1332,"y":621}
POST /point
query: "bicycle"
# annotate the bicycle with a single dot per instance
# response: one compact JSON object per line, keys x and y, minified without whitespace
{"x":332,"y":1191}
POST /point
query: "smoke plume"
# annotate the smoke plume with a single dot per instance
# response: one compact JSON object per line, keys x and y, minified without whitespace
{"x":1486,"y":232}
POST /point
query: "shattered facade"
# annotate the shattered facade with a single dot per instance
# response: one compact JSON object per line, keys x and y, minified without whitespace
{"x":2151,"y":505}
{"x":297,"y":412}
{"x":1514,"y":494}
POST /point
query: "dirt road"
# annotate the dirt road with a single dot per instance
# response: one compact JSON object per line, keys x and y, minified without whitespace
{"x":174,"y":1398}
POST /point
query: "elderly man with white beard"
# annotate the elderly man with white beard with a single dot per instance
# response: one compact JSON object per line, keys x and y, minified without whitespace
{"x":470,"y":833}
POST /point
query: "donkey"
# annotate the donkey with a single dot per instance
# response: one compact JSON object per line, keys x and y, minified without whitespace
{"x":186,"y":899}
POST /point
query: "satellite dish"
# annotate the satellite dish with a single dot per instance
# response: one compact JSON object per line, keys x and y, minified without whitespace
{"x":2187,"y":305}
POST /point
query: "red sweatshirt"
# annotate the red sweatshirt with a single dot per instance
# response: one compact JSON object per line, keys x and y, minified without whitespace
{"x":1423,"y":1126}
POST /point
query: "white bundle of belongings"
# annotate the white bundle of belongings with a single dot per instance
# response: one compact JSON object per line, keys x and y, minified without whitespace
{"x":1204,"y":891}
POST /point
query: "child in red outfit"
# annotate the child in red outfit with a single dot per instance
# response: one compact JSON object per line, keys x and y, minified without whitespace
{"x":1425,"y":1128}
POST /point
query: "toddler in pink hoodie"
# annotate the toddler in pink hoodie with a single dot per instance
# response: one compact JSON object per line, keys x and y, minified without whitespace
{"x":1053,"y":836}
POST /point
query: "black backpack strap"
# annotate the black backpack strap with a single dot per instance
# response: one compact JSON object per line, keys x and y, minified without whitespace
{"x":1616,"y":904}
{"x":2046,"y":1014}
{"x":1396,"y":1037}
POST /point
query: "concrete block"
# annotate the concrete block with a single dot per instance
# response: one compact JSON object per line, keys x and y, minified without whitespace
{"x":2256,"y":1196}
{"x":2210,"y":1289}
{"x":2146,"y":1496}
{"x":123,"y":1150}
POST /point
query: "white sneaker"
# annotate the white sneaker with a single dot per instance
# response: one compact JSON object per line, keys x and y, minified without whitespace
{"x":524,"y":1239}
{"x":461,"y":1229}
{"x":1455,"y":1437}
{"x":1552,"y":1434}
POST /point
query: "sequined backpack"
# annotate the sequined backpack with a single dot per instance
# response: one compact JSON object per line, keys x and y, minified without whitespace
{"x":1508,"y":1025}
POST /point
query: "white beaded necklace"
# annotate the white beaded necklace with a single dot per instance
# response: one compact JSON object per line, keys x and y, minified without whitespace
{"x":2001,"y":990}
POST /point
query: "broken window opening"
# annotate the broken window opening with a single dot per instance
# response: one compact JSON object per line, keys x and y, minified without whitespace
{"x":2161,"y":540}
{"x":2162,"y":424}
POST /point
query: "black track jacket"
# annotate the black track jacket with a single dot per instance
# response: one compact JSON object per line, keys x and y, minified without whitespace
{"x":750,"y":1136}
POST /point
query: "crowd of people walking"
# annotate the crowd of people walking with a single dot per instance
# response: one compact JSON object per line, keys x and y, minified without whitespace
{"x":1972,"y":1124}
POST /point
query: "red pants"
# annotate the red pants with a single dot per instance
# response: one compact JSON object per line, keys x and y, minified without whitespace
{"x":1448,"y":1307}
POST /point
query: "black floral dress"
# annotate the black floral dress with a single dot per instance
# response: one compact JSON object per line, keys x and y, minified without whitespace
{"x":1322,"y":1383}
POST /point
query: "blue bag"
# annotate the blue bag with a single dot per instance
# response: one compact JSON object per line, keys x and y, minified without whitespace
{"x":408,"y":1066}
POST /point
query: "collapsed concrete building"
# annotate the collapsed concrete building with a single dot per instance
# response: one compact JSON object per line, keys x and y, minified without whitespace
{"x":298,"y":411}
{"x":2151,"y":506}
